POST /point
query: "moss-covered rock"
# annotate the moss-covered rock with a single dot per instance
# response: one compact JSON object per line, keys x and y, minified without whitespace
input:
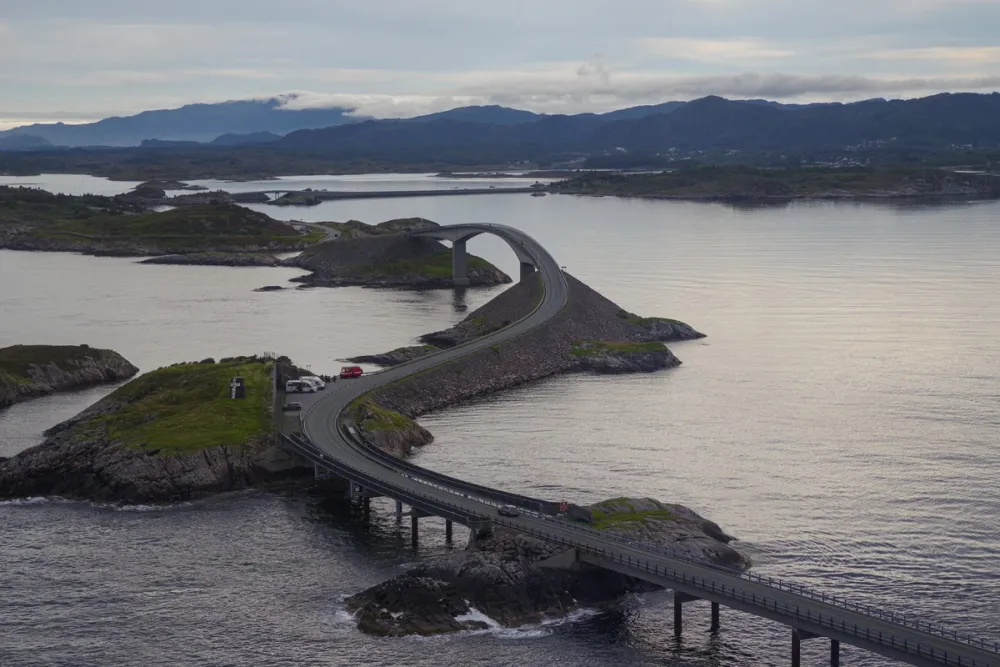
{"x":30,"y":371}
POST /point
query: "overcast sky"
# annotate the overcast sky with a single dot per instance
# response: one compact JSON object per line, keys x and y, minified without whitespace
{"x":79,"y":60}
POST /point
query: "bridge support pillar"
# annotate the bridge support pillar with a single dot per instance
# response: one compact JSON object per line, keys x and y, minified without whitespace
{"x":679,"y":600}
{"x":399,"y":511}
{"x":413,"y":530}
{"x":798,"y":636}
{"x":835,"y":652}
{"x":366,"y":507}
{"x":459,"y":264}
{"x":715,"y":617}
{"x":447,"y":531}
{"x":527,"y":270}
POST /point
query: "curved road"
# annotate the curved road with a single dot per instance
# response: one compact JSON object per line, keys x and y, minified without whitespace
{"x":334,"y":444}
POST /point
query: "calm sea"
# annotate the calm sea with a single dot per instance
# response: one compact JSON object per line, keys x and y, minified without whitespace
{"x":841,"y":419}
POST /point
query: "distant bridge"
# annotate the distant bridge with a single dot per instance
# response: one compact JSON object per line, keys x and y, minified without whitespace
{"x":333,"y":444}
{"x":328,"y":195}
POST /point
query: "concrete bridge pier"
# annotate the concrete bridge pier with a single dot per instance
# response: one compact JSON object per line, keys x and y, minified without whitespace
{"x":679,"y":600}
{"x":798,"y":636}
{"x":399,"y":511}
{"x":459,"y":264}
{"x":715,"y":617}
{"x":413,"y":530}
{"x":527,"y":271}
{"x":447,"y":531}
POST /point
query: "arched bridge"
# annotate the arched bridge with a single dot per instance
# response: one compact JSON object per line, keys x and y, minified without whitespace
{"x":460,"y":234}
{"x":332,"y":443}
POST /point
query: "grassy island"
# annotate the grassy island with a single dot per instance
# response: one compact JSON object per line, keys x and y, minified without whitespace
{"x":37,"y":220}
{"x":741,"y":182}
{"x":186,"y":408}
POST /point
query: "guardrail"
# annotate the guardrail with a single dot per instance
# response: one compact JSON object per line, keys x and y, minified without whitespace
{"x":773,"y":605}
{"x":497,"y":495}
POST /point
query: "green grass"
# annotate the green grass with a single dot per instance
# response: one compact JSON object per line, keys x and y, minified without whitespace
{"x":606,"y":514}
{"x":434,"y":265}
{"x":589,"y":348}
{"x":379,"y":418}
{"x":604,"y":521}
{"x":645,"y":322}
{"x":186,"y":408}
{"x":16,"y":359}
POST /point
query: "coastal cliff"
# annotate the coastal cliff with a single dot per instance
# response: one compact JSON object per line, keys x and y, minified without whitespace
{"x":170,"y":435}
{"x":503,"y":576}
{"x":30,"y":371}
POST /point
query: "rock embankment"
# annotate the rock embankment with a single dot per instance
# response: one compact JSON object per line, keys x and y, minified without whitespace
{"x":170,"y":435}
{"x":385,"y":256}
{"x":30,"y":371}
{"x":501,"y":576}
{"x":216,"y":259}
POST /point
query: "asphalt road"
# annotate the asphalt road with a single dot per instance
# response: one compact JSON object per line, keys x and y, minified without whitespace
{"x":905,"y":639}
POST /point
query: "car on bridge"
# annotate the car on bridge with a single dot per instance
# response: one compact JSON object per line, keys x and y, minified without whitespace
{"x":508,"y":510}
{"x":351,"y":372}
{"x":291,"y":406}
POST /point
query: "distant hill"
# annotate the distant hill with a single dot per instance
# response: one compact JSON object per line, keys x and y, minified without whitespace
{"x":233,"y":139}
{"x":494,"y":114}
{"x":194,"y":122}
{"x":23,"y":142}
{"x":709,"y":123}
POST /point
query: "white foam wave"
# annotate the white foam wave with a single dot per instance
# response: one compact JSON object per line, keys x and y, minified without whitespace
{"x":57,"y":500}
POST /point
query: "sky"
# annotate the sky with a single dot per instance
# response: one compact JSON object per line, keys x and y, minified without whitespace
{"x":73,"y":61}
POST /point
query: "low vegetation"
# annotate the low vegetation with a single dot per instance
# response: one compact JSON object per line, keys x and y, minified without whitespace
{"x":17,"y":359}
{"x":613,"y":513}
{"x":591,"y":348}
{"x":750,"y":182}
{"x":434,"y":265}
{"x":185,"y":408}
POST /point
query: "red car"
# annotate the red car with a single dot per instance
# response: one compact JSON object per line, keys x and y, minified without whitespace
{"x":351,"y":372}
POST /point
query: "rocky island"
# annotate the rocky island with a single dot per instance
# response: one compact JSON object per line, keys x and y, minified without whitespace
{"x":384,"y":255}
{"x":169,"y":435}
{"x":741,"y":183}
{"x":37,"y":220}
{"x":505,"y":576}
{"x":30,"y":371}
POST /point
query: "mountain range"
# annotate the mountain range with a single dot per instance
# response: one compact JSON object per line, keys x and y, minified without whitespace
{"x":707,"y":124}
{"x":194,"y":122}
{"x":487,"y":134}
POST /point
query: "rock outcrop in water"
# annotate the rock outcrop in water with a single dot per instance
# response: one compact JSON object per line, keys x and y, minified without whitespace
{"x":500,"y":576}
{"x":590,"y":334}
{"x":385,"y":256}
{"x":30,"y":371}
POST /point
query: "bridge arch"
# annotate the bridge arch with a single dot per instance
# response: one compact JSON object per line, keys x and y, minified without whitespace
{"x":459,"y":235}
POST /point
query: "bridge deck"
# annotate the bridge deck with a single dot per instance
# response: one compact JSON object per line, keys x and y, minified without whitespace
{"x":331,"y":444}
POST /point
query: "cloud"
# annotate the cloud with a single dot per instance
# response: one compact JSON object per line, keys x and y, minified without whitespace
{"x":552,"y":92}
{"x":964,"y":55}
{"x":711,"y":50}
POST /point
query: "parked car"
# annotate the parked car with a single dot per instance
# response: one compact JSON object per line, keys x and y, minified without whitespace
{"x":351,"y":372}
{"x":508,"y":510}
{"x":316,"y":382}
{"x":300,"y":386}
{"x":292,"y":406}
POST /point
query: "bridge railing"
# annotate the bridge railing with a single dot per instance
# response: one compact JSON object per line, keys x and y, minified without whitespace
{"x":444,"y":508}
{"x":908,"y":621}
{"x":450,"y":483}
{"x":824,"y":620}
{"x":444,"y":483}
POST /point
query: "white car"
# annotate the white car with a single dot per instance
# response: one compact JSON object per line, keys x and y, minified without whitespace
{"x":314,"y":381}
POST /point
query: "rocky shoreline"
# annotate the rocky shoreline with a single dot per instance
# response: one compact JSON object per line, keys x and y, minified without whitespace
{"x":107,"y":453}
{"x":506,"y":578}
{"x":32,"y":371}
